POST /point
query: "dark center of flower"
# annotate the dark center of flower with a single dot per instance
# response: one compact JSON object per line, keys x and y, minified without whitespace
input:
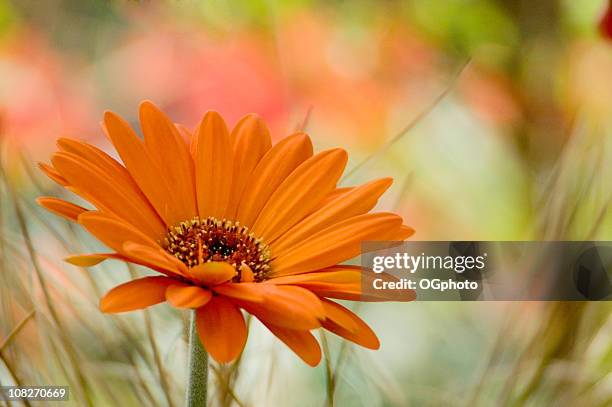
{"x":202,"y":240}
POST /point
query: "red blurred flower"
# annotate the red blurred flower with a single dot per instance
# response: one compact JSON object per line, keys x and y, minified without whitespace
{"x":38,"y":98}
{"x":193,"y":71}
{"x":605,"y":25}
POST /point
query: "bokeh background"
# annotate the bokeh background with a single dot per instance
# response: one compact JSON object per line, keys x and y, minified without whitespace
{"x":493,"y":116}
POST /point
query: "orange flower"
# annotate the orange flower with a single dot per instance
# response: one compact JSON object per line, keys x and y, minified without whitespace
{"x":229,"y":222}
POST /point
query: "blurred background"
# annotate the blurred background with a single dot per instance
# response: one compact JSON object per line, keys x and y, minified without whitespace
{"x":493,"y":116}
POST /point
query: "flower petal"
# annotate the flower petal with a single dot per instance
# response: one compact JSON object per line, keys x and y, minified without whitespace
{"x":185,"y":135}
{"x":60,"y":207}
{"x":354,"y":202}
{"x":331,"y":275}
{"x":136,"y":294}
{"x":154,"y":257}
{"x":303,"y":189}
{"x":246,"y":274}
{"x":170,"y":153}
{"x":252,"y":142}
{"x":403,"y":233}
{"x":187,"y":296}
{"x":286,"y":306}
{"x":241,"y":291}
{"x":143,"y":170}
{"x":339,"y":315}
{"x":303,"y":343}
{"x":345,"y":283}
{"x":120,"y":176}
{"x":213,"y":164}
{"x":107,"y":192}
{"x":222,"y":329}
{"x":336,"y":243}
{"x":213,"y":273}
{"x":53,"y":174}
{"x":333,"y":195}
{"x":343,"y":322}
{"x":113,"y":232}
{"x":274,"y":167}
{"x":90,"y":260}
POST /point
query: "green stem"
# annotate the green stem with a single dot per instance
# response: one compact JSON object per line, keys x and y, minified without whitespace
{"x":197,"y":386}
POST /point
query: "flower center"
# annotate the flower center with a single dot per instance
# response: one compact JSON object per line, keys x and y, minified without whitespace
{"x":199,"y":241}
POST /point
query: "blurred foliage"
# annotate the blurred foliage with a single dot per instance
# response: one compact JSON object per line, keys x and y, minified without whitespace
{"x":465,"y":26}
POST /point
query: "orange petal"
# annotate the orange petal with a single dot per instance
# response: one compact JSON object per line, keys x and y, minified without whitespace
{"x":286,"y":306}
{"x":187,"y":296}
{"x":403,"y":233}
{"x":88,"y":198}
{"x":339,"y":315}
{"x":107,"y":191}
{"x":246,"y":274}
{"x":171,"y":155}
{"x":193,"y":141}
{"x":345,"y":283}
{"x":120,"y":176}
{"x":60,"y":207}
{"x":300,"y":192}
{"x":332,"y":196}
{"x":352,"y":203}
{"x":213,"y":163}
{"x":331,"y":275}
{"x":241,"y":291}
{"x":303,"y":343}
{"x":343,"y":322}
{"x":143,"y":170}
{"x":89,"y":260}
{"x":274,"y":167}
{"x":113,"y":232}
{"x":136,"y":294}
{"x":53,"y":174}
{"x":154,"y":257}
{"x":222,"y":329}
{"x":213,"y":273}
{"x":185,"y":134}
{"x":354,"y":292}
{"x":335,"y":244}
{"x":252,"y":142}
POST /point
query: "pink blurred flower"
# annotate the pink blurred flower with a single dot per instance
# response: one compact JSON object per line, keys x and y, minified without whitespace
{"x":40,"y":98}
{"x":187,"y":71}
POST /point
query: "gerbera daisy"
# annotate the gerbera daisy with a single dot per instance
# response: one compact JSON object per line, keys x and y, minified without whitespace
{"x":229,"y":222}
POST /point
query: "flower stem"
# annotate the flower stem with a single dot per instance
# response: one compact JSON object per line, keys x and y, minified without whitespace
{"x":197,"y":386}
